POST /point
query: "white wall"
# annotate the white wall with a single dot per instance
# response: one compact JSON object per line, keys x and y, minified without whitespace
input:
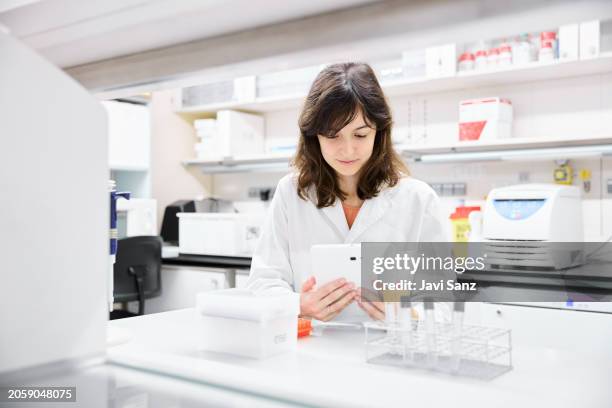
{"x":172,"y":140}
{"x":54,"y":214}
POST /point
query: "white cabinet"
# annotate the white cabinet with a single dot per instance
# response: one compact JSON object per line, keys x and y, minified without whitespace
{"x":543,"y":327}
{"x":129,"y":136}
{"x":241,"y":280}
{"x":180,"y":284}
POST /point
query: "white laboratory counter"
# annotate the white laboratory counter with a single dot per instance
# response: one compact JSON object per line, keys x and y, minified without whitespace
{"x":330,"y":370}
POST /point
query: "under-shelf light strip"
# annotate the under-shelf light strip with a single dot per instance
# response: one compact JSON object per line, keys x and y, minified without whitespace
{"x":520,"y":155}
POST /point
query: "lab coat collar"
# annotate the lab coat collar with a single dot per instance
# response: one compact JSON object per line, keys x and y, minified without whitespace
{"x":371,"y":211}
{"x":335,"y":217}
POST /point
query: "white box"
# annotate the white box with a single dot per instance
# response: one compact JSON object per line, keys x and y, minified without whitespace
{"x":441,"y":61}
{"x":240,"y":322}
{"x":413,"y":63}
{"x":207,"y":149}
{"x":568,"y":42}
{"x":139,"y":216}
{"x":589,"y":39}
{"x":245,"y":89}
{"x":129,"y":135}
{"x":205,"y":128}
{"x":226,"y":234}
{"x":239,"y":133}
{"x":485,"y":119}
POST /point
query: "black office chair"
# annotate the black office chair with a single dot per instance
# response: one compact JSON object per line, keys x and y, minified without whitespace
{"x":137,"y":272}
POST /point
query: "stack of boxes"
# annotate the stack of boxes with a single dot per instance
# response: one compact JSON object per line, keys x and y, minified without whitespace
{"x":232,"y":134}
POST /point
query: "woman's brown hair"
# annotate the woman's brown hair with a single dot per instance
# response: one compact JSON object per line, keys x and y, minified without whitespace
{"x":337,"y":95}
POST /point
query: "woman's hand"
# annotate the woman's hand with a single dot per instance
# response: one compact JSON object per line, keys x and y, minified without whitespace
{"x":374,"y":309}
{"x":326,"y":302}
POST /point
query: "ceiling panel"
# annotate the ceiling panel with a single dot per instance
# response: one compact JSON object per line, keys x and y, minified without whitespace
{"x":75,"y":32}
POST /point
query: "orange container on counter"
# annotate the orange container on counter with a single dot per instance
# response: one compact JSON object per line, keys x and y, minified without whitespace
{"x":304,"y":327}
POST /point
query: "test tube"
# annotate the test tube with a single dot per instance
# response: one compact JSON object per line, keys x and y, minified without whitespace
{"x":405,"y":320}
{"x":458,"y":309}
{"x":391,"y":324}
{"x":390,"y":313}
{"x":430,"y":334}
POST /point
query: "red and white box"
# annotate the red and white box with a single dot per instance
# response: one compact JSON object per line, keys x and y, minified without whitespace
{"x":485,"y":119}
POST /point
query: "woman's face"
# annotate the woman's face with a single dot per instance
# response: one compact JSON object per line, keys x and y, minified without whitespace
{"x":349,"y":149}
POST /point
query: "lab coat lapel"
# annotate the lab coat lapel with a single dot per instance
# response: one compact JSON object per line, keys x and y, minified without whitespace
{"x":371,"y":211}
{"x":334,"y":216}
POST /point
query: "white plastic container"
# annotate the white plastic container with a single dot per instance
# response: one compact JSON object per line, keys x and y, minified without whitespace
{"x":485,"y":119}
{"x":466,"y":61}
{"x":225,"y":234}
{"x":568,"y":42}
{"x":521,"y":51}
{"x":239,"y":322}
{"x":547,"y":52}
{"x":505,"y":55}
{"x":589,"y":39}
{"x":492,"y":57}
{"x":441,"y":61}
{"x":239,"y":133}
{"x":480,"y":59}
{"x":550,"y":37}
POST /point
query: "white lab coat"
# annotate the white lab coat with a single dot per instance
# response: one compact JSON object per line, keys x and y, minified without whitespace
{"x":407,"y":212}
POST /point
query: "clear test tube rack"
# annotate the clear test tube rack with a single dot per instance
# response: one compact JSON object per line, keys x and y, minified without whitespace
{"x":473,"y":351}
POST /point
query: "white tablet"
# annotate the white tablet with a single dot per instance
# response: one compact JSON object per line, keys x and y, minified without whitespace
{"x":335,"y":261}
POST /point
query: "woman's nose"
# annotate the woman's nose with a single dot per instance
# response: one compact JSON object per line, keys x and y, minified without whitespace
{"x":347,"y":144}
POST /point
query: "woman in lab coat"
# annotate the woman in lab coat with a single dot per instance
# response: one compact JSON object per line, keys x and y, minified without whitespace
{"x":349,"y":186}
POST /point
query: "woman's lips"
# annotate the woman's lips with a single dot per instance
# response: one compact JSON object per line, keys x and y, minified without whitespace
{"x":347,"y":161}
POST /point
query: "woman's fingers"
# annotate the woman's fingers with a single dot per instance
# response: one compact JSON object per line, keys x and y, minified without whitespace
{"x":327,"y":301}
{"x":329,"y":287}
{"x":334,"y":309}
{"x":373,"y":311}
{"x":379,"y":305}
{"x":309,"y":284}
{"x":337,"y":294}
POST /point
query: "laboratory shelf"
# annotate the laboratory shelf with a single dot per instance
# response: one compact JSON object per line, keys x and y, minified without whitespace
{"x":500,"y":144}
{"x":499,"y":76}
{"x":126,"y":167}
{"x":268,"y":162}
{"x":535,"y":71}
{"x":513,"y":149}
{"x":267,"y":104}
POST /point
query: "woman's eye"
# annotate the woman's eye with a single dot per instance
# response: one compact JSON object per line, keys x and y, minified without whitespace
{"x":366,"y":135}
